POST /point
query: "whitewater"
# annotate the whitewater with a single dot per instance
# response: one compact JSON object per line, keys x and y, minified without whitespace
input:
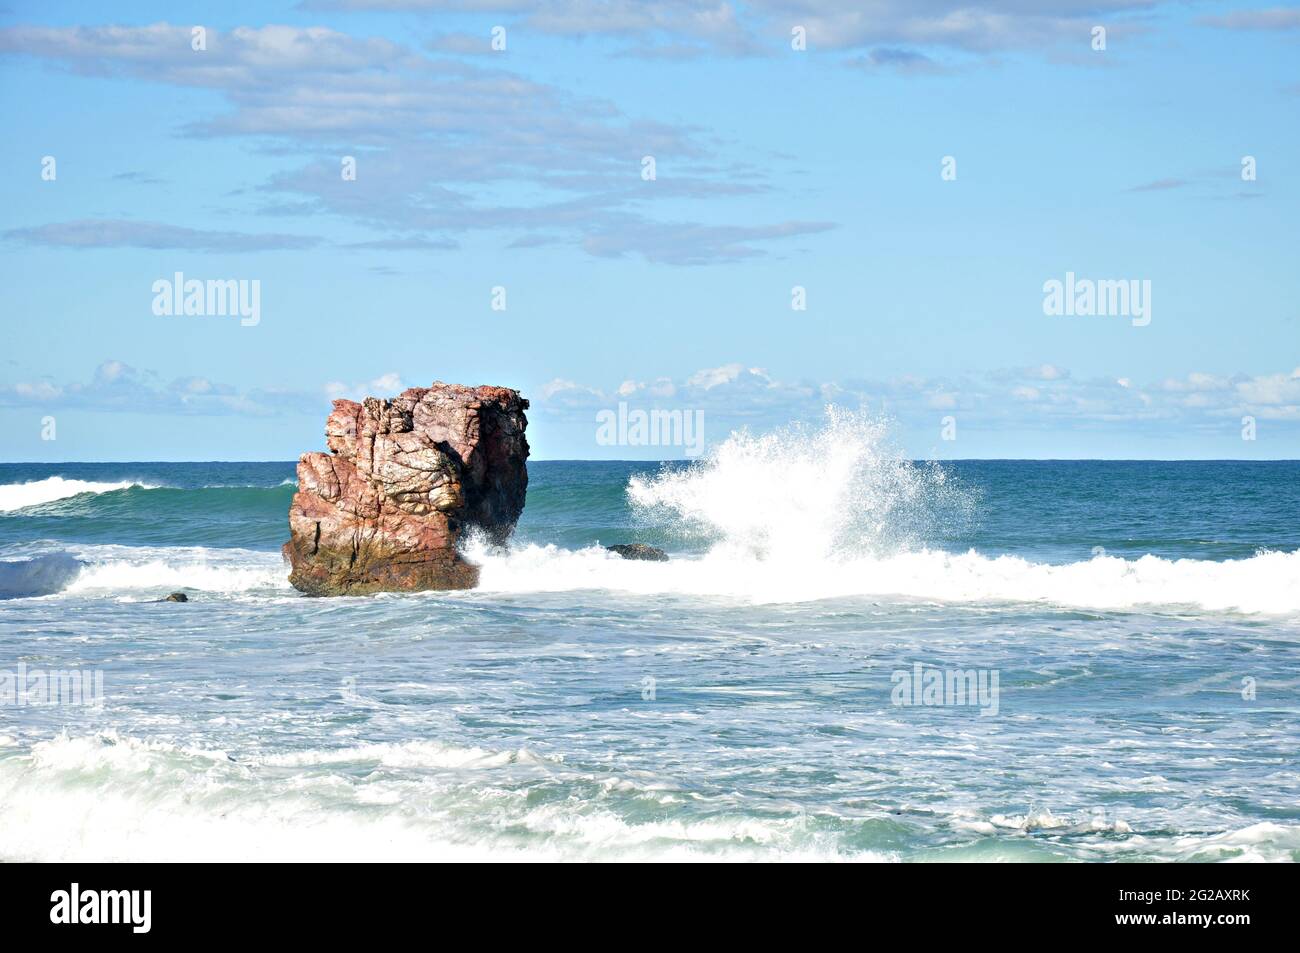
{"x":36,"y":492}
{"x":731,"y":703}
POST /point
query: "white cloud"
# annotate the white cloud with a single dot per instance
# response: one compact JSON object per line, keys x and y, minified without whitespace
{"x":38,"y":391}
{"x":117,"y":387}
{"x":715,"y":376}
{"x":428,"y":162}
{"x":390,"y":383}
{"x":1049,"y":372}
{"x":1273,"y":390}
{"x":561,"y":392}
{"x":122,"y":233}
{"x":891,"y":30}
{"x":996,"y":398}
{"x":385,"y":385}
{"x":1197,"y":381}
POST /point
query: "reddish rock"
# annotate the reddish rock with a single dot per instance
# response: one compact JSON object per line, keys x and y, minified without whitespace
{"x":385,"y":508}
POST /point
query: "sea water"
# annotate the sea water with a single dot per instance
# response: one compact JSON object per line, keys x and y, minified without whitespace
{"x":751,"y":698}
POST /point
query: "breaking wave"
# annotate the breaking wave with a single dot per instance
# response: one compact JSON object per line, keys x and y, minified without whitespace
{"x":816,"y":513}
{"x":225,"y":571}
{"x":17,"y":496}
{"x":41,"y":576}
{"x":133,"y":572}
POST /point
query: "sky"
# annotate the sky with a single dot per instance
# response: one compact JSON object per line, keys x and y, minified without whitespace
{"x":742,"y":212}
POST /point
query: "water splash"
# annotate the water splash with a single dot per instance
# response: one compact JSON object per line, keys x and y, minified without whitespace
{"x":832,"y":491}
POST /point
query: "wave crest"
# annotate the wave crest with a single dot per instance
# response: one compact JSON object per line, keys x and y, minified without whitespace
{"x":17,"y":496}
{"x":40,"y":576}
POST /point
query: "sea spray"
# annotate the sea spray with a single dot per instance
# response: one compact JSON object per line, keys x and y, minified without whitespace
{"x":807,"y":513}
{"x":832,"y":491}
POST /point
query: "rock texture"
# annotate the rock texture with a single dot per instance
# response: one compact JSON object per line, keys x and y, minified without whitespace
{"x":404,"y":478}
{"x":639,"y":551}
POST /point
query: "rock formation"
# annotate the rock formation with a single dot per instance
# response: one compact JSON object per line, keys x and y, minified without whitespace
{"x":385,"y":508}
{"x":639,"y":551}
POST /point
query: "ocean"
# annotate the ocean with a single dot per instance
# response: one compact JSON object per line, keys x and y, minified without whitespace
{"x":788,"y":686}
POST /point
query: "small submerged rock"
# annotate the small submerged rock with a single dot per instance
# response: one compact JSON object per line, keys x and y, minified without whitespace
{"x":639,"y":551}
{"x":176,"y":597}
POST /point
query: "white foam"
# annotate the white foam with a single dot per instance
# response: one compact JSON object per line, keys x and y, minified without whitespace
{"x":411,"y":754}
{"x":110,"y":797}
{"x":829,"y":512}
{"x":16,"y":496}
{"x":1263,"y":842}
{"x":1265,"y":583}
{"x":109,"y":751}
{"x":115,"y":798}
{"x":124,"y":569}
{"x":814,"y":491}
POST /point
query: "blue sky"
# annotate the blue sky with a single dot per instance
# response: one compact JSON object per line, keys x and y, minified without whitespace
{"x":775,"y":168}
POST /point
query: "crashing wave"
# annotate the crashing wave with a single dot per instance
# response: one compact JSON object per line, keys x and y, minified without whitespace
{"x":17,"y":496}
{"x":41,"y":576}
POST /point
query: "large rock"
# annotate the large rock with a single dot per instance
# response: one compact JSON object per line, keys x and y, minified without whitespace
{"x":385,"y":508}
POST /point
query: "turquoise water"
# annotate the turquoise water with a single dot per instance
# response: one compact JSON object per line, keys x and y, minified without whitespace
{"x":738,"y":701}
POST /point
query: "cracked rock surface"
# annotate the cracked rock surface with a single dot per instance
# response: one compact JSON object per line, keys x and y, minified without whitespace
{"x":385,"y":509}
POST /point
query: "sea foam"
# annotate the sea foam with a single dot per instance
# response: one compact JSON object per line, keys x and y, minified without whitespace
{"x":135,"y":573}
{"x":127,"y":570}
{"x":1266,"y":583}
{"x":116,"y":797}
